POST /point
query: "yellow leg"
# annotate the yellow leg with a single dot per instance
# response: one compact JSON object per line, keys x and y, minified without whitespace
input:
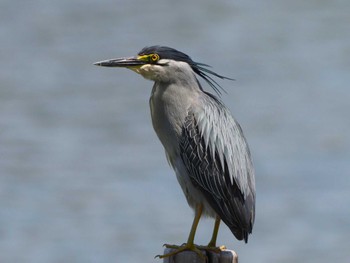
{"x":190,"y":241}
{"x":196,"y":219}
{"x":212,"y":242}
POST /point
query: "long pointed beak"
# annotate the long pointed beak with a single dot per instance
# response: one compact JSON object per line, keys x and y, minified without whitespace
{"x":121,"y":62}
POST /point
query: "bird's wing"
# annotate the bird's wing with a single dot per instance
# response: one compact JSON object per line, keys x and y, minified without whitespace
{"x":218,"y":162}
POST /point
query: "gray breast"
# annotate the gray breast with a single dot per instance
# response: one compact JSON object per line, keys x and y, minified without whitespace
{"x":169,"y":106}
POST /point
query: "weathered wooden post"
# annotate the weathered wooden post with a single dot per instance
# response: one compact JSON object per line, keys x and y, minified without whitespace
{"x":225,"y":256}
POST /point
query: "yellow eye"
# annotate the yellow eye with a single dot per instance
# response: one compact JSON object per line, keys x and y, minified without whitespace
{"x":154,"y":57}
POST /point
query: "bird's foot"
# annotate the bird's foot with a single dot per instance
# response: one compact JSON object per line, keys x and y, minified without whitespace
{"x":183,"y":247}
{"x":212,"y":248}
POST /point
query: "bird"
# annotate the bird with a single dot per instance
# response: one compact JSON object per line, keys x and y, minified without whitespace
{"x":203,"y":142}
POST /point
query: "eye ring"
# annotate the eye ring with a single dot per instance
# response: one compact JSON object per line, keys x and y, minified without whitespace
{"x":154,"y":57}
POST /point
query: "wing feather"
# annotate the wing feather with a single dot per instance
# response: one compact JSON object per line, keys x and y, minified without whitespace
{"x":218,"y":162}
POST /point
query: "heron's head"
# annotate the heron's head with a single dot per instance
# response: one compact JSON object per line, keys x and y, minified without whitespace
{"x":160,"y":63}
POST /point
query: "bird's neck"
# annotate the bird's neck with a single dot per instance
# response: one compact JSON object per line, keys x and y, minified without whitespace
{"x":169,"y":104}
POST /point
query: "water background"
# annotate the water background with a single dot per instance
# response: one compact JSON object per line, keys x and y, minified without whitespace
{"x":83,"y":177}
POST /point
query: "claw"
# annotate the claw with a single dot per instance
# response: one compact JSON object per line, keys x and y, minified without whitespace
{"x":173,"y":246}
{"x":184,"y":247}
{"x":212,"y":248}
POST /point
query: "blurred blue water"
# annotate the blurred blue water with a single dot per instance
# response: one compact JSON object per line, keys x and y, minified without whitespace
{"x":83,"y":177}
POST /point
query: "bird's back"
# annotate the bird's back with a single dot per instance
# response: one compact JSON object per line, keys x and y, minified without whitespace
{"x":216,"y":153}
